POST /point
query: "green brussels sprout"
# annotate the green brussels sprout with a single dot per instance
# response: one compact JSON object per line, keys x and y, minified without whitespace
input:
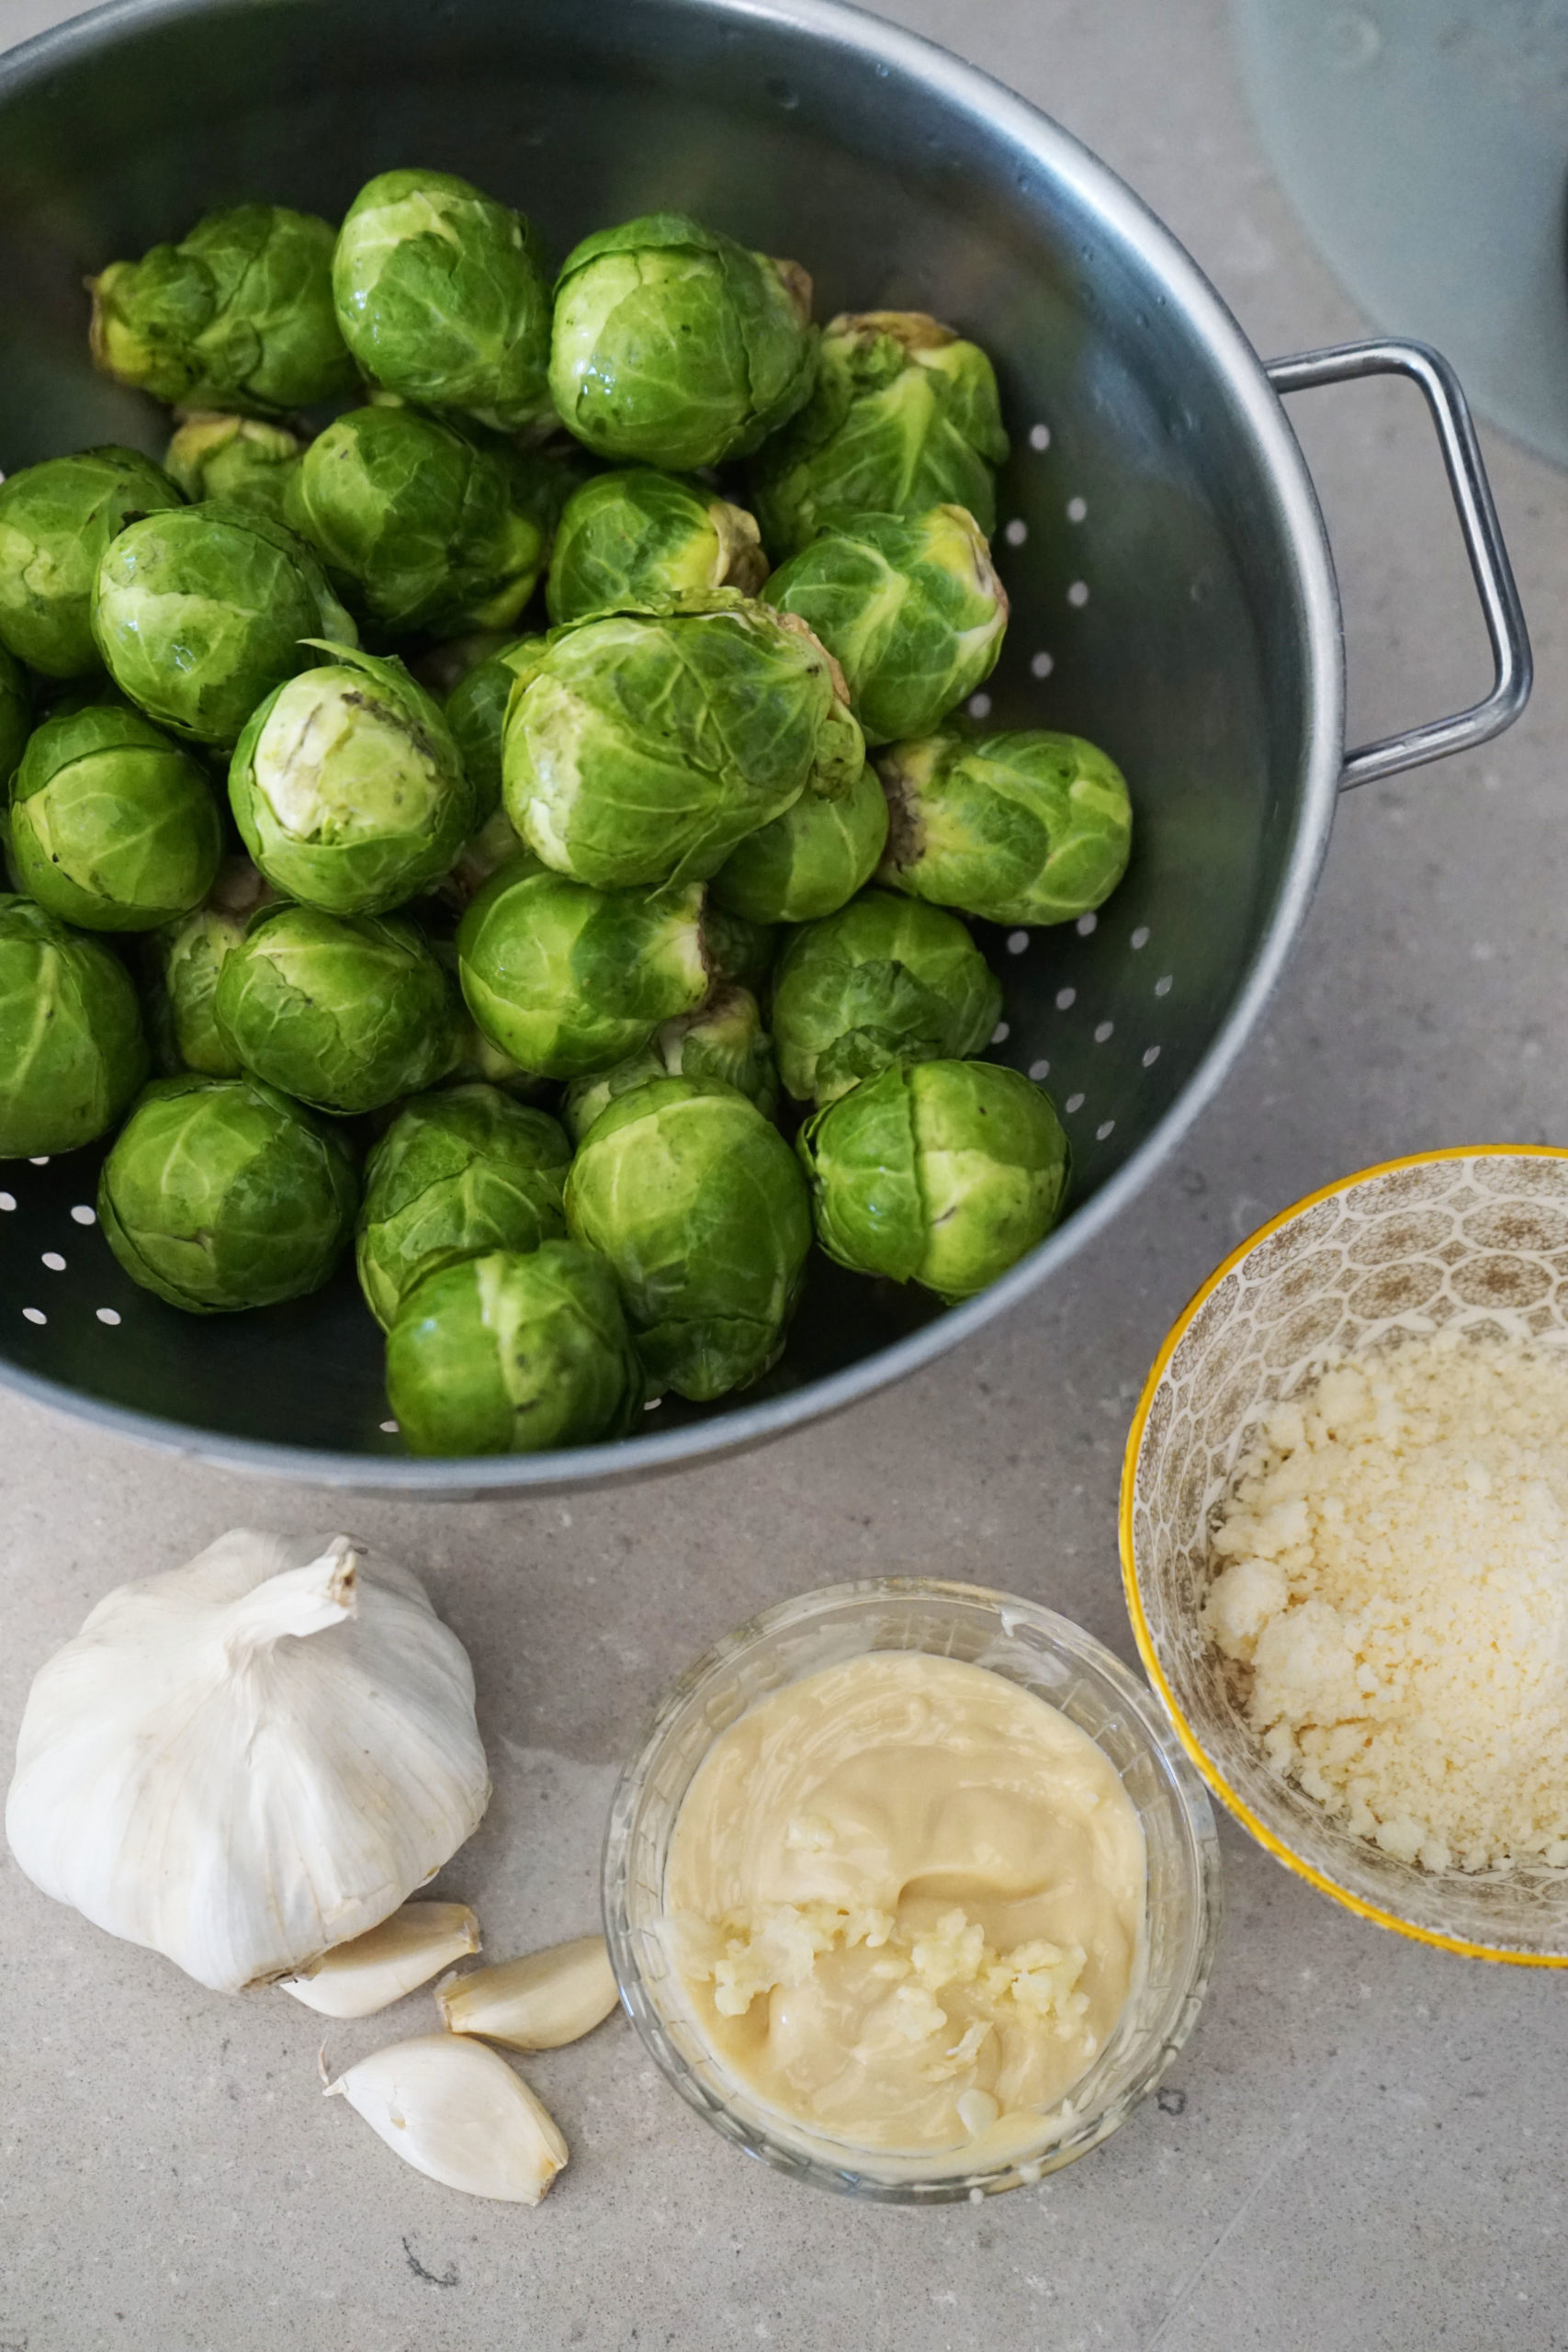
{"x":113,"y":827}
{"x":348,"y":788}
{"x":943,"y":1174}
{"x":200,"y":613}
{"x":673,"y":345}
{"x":633,"y":538}
{"x":1027,"y":827}
{"x":423,"y":523}
{"x":513,"y":1353}
{"x":866,"y":987}
{"x":476,"y":713}
{"x":220,"y":1194}
{"x":56,"y":521}
{"x":455,"y":1174}
{"x":347,"y":1012}
{"x":904,"y":416}
{"x":242,"y":460}
{"x":810,"y":862}
{"x":644,"y":745}
{"x":16,"y":717}
{"x":186,"y":959}
{"x":909,"y":606}
{"x":441,"y":297}
{"x":568,"y":979}
{"x":722,"y":1042}
{"x":238,"y":315}
{"x":736,"y":949}
{"x":71,"y":1051}
{"x":700,"y":1206}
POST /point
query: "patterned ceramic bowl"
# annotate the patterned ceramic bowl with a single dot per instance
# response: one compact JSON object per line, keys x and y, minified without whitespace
{"x":1475,"y":1238}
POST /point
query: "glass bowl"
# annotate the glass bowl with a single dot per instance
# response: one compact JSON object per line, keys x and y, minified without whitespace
{"x":1473,"y":1238}
{"x":1032,"y":1646}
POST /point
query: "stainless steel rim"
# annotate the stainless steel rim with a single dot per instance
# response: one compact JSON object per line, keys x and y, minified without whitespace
{"x":1042,"y":142}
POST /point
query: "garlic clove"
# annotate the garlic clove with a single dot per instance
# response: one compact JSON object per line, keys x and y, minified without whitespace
{"x":550,"y":1997}
{"x":373,"y":1970}
{"x":456,"y":2112}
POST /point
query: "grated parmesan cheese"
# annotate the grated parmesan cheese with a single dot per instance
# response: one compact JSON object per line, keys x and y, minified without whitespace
{"x":1393,"y":1572}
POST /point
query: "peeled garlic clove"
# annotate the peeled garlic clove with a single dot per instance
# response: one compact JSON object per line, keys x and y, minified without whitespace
{"x":538,"y":2003}
{"x":379,"y":1967}
{"x":455,"y":2111}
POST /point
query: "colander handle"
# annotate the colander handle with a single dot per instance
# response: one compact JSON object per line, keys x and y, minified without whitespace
{"x":1500,"y":606}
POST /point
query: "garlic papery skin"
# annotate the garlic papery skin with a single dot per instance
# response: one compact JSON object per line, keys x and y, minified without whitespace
{"x":250,"y":1759}
{"x":539,"y":2003}
{"x":455,"y":2111}
{"x":354,"y":1979}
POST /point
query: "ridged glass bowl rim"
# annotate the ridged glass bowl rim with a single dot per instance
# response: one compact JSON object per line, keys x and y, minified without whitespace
{"x":814,"y":2158}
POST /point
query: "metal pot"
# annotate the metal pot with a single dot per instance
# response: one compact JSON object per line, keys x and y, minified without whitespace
{"x":1173,"y":595}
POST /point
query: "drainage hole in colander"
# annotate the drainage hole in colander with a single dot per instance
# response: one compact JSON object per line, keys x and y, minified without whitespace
{"x":34,"y":1315}
{"x":1074,"y":1102}
{"x":1104,"y":1128}
{"x":1140,"y":937}
{"x":1151,"y":1056}
{"x":390,"y":1429}
{"x":41,"y":1161}
{"x":1017,"y":942}
{"x":109,"y":1315}
{"x":1016,"y":532}
{"x":1039,"y":1072}
{"x":1065,"y":999}
{"x":1000,"y":1034}
{"x":1086,"y":925}
{"x":979,"y":705}
{"x":1041,"y":665}
{"x":1163,"y":985}
{"x":1103,"y":1029}
{"x":1077,"y":509}
{"x":82,"y":1215}
{"x":54,"y":1261}
{"x":1077,"y":592}
{"x":7,"y":1200}
{"x":1040,"y":436}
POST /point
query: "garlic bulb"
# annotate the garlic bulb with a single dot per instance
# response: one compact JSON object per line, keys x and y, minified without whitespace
{"x":356,"y":1979}
{"x":251,"y":1758}
{"x":540,"y":2003}
{"x":455,"y":2111}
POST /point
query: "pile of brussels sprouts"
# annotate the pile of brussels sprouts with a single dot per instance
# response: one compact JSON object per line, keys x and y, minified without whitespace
{"x":503,"y":951}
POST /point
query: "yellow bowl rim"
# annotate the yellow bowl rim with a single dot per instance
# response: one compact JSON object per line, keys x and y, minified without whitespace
{"x":1152,"y":1668}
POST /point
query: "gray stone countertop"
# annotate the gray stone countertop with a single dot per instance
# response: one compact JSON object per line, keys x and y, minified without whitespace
{"x":1362,"y":2145}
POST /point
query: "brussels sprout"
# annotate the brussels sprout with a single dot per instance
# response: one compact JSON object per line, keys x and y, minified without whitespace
{"x":441,"y":297}
{"x":424,"y":524}
{"x":112,"y":826}
{"x":200,"y":614}
{"x":700,"y":1206}
{"x":1027,"y":827}
{"x":16,"y":717}
{"x":723,"y":1042}
{"x":347,"y":1012}
{"x":476,"y":712}
{"x":904,"y":416}
{"x":673,"y":345}
{"x":644,"y":745}
{"x":567,"y":979}
{"x":909,"y":606}
{"x":220,"y":1194}
{"x":943,"y":1174}
{"x":867,"y":987}
{"x":455,"y":1174}
{"x":71,"y":1051}
{"x":241,"y":459}
{"x":56,"y":520}
{"x":186,"y":957}
{"x":633,"y":538}
{"x":512,"y":1353}
{"x":737,"y":950}
{"x":810,"y":862}
{"x":348,"y":788}
{"x":238,"y":315}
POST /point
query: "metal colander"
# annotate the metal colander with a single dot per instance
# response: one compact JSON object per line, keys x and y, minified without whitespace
{"x":1172,"y":592}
